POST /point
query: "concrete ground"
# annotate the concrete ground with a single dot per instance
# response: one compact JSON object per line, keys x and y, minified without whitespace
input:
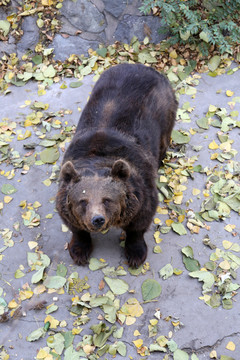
{"x":195,"y":327}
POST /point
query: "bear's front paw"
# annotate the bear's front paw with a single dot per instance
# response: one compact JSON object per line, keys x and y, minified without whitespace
{"x":136,"y":255}
{"x":80,"y":251}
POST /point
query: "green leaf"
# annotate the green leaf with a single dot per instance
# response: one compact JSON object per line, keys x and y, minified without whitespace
{"x":146,"y":57}
{"x":8,"y":189}
{"x":179,"y":228}
{"x":40,"y":23}
{"x":50,"y":72}
{"x":204,"y":36}
{"x":5,"y":27}
{"x":185,"y":35}
{"x":95,"y":264}
{"x":49,"y":155}
{"x":214,"y":62}
{"x":54,"y":282}
{"x":86,"y":70}
{"x":61,"y":270}
{"x":75,"y":84}
{"x":117,"y":286}
{"x":180,"y":355}
{"x":71,"y":354}
{"x":102,"y":52}
{"x":121,"y":348}
{"x":56,"y":342}
{"x":18,"y":274}
{"x":166,"y":271}
{"x":47,"y":143}
{"x":203,"y":123}
{"x":188,"y":251}
{"x":36,"y":334}
{"x":172,"y":345}
{"x":205,"y":276}
{"x":191,"y":264}
{"x":37,"y":59}
{"x":180,"y":138}
{"x":150,"y":289}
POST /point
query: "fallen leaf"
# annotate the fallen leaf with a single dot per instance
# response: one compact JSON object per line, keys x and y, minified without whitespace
{"x":150,"y":289}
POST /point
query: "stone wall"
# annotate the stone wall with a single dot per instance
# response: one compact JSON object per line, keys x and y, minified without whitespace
{"x":86,"y":24}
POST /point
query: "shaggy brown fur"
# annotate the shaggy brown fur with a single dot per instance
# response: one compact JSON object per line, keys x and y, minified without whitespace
{"x":109,"y":169}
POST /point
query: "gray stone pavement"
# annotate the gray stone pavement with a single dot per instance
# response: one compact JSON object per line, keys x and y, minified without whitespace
{"x":202,"y":329}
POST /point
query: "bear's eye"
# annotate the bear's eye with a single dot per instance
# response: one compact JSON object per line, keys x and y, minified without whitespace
{"x":83,"y":203}
{"x":107,"y":201}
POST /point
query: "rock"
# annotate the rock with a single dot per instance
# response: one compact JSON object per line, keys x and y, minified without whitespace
{"x":138,"y":26}
{"x":83,"y":15}
{"x":99,"y":4}
{"x":64,"y":47}
{"x":116,"y":7}
{"x":30,"y":35}
{"x":7,"y":48}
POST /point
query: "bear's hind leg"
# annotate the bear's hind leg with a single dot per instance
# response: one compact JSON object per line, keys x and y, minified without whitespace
{"x":80,"y":247}
{"x":135,"y":248}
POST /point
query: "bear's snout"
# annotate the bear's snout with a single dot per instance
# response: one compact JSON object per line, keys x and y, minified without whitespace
{"x":98,"y":221}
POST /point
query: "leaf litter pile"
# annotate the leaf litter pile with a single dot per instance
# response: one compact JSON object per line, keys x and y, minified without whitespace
{"x":73,"y":321}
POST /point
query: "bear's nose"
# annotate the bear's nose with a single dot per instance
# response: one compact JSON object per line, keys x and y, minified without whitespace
{"x":98,"y":221}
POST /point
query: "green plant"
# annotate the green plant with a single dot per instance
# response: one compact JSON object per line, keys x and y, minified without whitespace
{"x":205,"y":23}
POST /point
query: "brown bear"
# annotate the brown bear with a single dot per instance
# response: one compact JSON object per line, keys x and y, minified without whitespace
{"x":109,"y":170}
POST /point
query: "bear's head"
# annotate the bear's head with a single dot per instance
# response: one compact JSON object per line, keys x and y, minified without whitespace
{"x":95,"y":203}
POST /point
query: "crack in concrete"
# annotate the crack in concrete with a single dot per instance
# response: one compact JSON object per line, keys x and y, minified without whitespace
{"x":204,"y":348}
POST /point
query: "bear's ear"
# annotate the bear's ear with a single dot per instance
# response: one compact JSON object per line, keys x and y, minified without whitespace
{"x":121,"y":170}
{"x":68,"y":172}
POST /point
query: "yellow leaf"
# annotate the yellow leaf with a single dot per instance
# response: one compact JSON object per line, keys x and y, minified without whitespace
{"x":212,"y":108}
{"x":181,"y":218}
{"x":195,"y":191}
{"x":163,"y":179}
{"x":169,"y":222}
{"x":42,"y":354}
{"x":224,"y":265}
{"x":162,"y":211}
{"x":213,"y":354}
{"x":132,"y":308}
{"x":41,"y":92}
{"x":53,"y":322}
{"x":205,"y":297}
{"x":88,"y":349}
{"x":225,"y":146}
{"x":12,"y":304}
{"x":157,"y":221}
{"x":130,"y":320}
{"x":229,"y":227}
{"x":206,"y":193}
{"x":214,"y":156}
{"x":153,"y":322}
{"x":25,"y":294}
{"x":63,"y":323}
{"x":213,"y":145}
{"x":32,"y":244}
{"x":231,"y":346}
{"x":47,"y":182}
{"x":36,"y":204}
{"x":39,"y":289}
{"x":138,"y":343}
{"x":7,"y":199}
{"x":178,"y":199}
{"x":136,"y":333}
{"x":192,"y":131}
{"x":229,"y":93}
{"x":173,"y":54}
{"x":226,"y":244}
{"x":47,"y":2}
{"x":64,"y":228}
